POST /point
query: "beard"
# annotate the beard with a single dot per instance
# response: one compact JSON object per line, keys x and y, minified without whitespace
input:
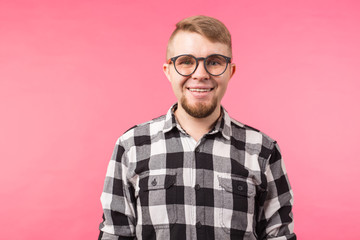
{"x":199,"y":110}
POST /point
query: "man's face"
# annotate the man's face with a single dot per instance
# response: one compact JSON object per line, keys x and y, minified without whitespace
{"x":199,"y":95}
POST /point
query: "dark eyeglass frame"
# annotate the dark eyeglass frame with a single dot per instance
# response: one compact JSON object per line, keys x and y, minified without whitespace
{"x":173,"y":59}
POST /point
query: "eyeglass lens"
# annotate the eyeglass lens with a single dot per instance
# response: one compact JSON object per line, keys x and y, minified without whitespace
{"x":214,"y":64}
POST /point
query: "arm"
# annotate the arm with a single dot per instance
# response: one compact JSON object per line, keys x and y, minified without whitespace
{"x":117,"y":199}
{"x":276,"y":220}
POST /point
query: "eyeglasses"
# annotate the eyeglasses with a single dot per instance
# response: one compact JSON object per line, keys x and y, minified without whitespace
{"x":187,"y":64}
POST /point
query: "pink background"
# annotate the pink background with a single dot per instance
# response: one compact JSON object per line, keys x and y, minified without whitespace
{"x":74,"y":75}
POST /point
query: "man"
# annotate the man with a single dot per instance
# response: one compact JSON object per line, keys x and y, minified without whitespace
{"x":196,"y":173}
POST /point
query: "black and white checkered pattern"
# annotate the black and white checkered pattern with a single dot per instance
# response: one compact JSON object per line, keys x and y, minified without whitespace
{"x":161,"y":184}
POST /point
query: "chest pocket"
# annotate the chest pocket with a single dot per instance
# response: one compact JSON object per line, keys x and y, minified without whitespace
{"x":157,"y":200}
{"x":238,"y":202}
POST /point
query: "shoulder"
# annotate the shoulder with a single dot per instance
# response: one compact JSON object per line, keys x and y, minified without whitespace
{"x":141,"y":133}
{"x":254,"y":142}
{"x":250,"y":135}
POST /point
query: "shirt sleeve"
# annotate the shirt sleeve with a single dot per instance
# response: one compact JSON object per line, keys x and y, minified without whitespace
{"x":276,"y":218}
{"x":117,"y":199}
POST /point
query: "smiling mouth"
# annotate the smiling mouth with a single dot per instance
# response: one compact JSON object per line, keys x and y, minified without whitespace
{"x":200,"y":89}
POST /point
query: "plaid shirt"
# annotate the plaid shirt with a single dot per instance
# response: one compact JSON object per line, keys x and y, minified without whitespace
{"x":161,"y":184}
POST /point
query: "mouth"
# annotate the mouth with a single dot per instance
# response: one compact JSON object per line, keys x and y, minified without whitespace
{"x":200,"y":93}
{"x":200,"y":89}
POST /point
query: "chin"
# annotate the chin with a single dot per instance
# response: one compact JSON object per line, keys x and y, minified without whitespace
{"x":198,"y":110}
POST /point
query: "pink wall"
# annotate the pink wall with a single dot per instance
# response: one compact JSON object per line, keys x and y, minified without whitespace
{"x":74,"y":76}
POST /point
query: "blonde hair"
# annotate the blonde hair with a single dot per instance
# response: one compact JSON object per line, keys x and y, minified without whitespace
{"x":209,"y":27}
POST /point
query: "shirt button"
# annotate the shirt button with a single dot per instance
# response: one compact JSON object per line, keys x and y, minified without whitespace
{"x":197,"y":187}
{"x":198,"y":225}
{"x":240,"y":188}
{"x":154,"y":182}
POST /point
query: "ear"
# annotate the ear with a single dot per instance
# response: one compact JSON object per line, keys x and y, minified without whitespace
{"x":232,"y":69}
{"x":166,"y":70}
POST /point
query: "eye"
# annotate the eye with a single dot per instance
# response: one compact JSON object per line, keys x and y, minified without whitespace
{"x":185,"y":60}
{"x":215,"y":61}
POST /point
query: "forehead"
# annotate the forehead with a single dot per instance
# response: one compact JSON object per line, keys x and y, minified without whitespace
{"x":195,"y":44}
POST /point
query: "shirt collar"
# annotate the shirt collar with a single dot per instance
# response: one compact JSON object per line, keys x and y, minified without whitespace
{"x":222,"y":125}
{"x":170,"y":120}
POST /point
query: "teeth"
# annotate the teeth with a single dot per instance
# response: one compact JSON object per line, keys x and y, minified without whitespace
{"x":199,"y":89}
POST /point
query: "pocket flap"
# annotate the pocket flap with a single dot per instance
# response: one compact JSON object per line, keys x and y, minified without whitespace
{"x":153,"y":182}
{"x":237,"y":186}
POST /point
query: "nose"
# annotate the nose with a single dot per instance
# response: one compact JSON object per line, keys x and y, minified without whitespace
{"x":200,"y":72}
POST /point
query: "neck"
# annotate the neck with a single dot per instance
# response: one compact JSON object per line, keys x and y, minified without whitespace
{"x":196,"y":127}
